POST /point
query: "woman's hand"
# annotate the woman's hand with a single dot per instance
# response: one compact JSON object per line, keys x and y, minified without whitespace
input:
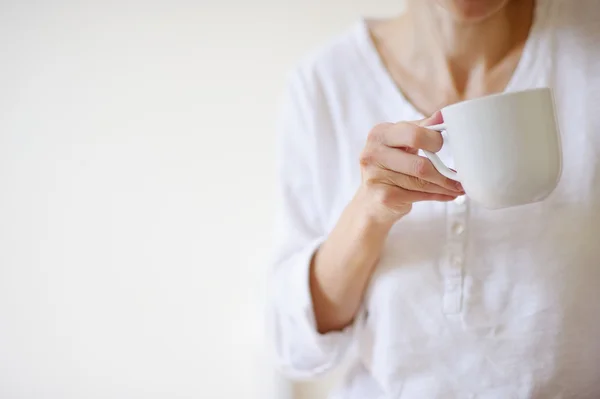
{"x":394,"y":176}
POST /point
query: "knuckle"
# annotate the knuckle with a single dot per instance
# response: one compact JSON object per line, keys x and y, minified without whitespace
{"x":377,"y":132}
{"x":419,"y":183}
{"x":420,"y":167}
{"x":371,"y":156}
{"x":367,"y":158}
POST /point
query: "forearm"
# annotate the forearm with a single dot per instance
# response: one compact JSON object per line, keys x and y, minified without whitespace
{"x":343,"y":265}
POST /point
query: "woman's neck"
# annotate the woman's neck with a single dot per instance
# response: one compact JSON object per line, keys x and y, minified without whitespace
{"x":426,"y":49}
{"x":464,"y":47}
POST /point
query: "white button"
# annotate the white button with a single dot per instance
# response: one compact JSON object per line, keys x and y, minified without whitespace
{"x":451,"y":285}
{"x":460,"y":200}
{"x":458,"y":228}
{"x":456,"y":261}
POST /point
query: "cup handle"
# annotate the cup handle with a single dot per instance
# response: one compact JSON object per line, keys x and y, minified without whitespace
{"x":436,"y":161}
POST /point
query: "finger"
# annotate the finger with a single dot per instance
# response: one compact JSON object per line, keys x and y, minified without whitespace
{"x":415,"y":166}
{"x":435,"y":119}
{"x":399,"y":195}
{"x":405,"y":134}
{"x":411,"y":183}
{"x":408,"y":135}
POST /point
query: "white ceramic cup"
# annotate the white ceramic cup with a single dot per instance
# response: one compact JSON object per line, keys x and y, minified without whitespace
{"x":506,"y":147}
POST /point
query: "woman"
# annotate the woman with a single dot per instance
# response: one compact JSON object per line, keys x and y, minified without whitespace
{"x":440,"y":297}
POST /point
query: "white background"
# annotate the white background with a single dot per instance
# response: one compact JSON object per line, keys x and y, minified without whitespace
{"x":136,"y":178}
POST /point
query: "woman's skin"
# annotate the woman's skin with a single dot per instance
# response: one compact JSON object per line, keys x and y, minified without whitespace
{"x":438,"y":52}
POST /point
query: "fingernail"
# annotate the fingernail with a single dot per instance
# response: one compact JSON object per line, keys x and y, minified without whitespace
{"x":459,"y":186}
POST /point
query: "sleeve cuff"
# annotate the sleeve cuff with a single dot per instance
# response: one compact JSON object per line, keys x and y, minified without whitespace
{"x":311,"y":349}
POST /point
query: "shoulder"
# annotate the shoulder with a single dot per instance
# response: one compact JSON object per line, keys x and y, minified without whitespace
{"x":584,"y":11}
{"x":333,"y":66}
{"x":578,"y":20}
{"x":318,"y":89}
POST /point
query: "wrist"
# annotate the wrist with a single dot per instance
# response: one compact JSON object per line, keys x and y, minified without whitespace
{"x":370,"y":214}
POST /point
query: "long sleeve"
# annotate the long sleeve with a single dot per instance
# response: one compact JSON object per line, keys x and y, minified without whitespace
{"x":300,"y":351}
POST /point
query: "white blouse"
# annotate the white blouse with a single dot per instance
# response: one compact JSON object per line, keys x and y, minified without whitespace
{"x":465,"y":302}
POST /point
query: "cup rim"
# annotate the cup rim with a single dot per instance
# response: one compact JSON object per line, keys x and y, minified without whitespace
{"x":496,"y":95}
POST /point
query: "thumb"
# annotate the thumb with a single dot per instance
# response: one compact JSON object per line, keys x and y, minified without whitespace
{"x":434,"y":119}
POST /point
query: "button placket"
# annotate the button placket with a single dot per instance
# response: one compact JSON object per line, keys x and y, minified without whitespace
{"x":454,"y":256}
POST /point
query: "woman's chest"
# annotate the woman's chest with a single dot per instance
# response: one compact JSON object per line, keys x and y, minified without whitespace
{"x":455,"y":247}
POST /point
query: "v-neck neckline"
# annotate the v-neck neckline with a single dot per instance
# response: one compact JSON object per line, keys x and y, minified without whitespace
{"x":526,"y":66}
